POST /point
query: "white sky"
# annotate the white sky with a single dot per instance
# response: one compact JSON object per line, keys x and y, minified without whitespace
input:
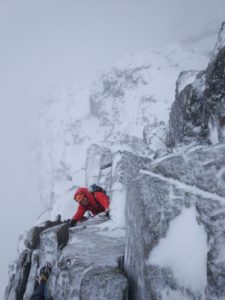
{"x":44,"y":43}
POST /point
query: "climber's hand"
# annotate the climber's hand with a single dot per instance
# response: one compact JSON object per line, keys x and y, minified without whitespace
{"x":72,"y":223}
{"x":107,"y":212}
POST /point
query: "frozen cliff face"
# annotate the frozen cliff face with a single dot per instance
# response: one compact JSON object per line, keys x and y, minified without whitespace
{"x":86,"y":262}
{"x":24,"y":271}
{"x":198,"y":113}
{"x":186,"y":112}
{"x":126,"y":108}
{"x":203,"y":167}
{"x":214,"y":104}
{"x":220,"y":42}
{"x":175,"y":225}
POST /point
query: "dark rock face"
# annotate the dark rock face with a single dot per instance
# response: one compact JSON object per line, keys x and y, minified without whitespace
{"x":18,"y":281}
{"x":199,"y":108}
{"x":105,"y":284}
{"x":35,"y":255}
{"x":214,"y":104}
{"x":186,"y":113}
{"x":33,"y":236}
{"x":155,"y":200}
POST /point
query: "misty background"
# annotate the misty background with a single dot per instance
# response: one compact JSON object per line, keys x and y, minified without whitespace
{"x":45,"y":44}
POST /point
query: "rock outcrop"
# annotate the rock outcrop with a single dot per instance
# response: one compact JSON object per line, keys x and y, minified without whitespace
{"x":90,"y":258}
{"x":198,"y":113}
{"x":41,"y":241}
{"x":159,"y":198}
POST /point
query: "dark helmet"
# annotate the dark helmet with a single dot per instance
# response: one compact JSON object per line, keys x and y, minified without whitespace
{"x":46,"y":271}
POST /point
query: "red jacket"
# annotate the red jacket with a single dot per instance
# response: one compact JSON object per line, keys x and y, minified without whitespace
{"x":96,"y":205}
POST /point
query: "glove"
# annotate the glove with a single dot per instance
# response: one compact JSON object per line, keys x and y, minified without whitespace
{"x":107,"y":212}
{"x":72,"y":223}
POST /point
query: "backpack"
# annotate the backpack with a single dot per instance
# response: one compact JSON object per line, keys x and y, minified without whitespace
{"x":96,"y":188}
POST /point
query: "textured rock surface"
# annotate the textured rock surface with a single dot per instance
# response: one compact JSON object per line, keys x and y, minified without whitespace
{"x":214,"y":104}
{"x":89,"y":247}
{"x":186,"y":112}
{"x":157,"y":200}
{"x":199,"y":108}
{"x":105,"y":284}
{"x":42,"y":245}
{"x":157,"y":192}
{"x":199,"y":166}
{"x":32,"y":240}
{"x":18,"y":280}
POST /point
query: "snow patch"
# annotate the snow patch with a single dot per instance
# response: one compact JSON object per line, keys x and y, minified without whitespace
{"x":186,"y":78}
{"x":184,"y":251}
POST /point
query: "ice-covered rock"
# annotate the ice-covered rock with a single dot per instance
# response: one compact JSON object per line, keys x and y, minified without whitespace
{"x":105,"y":284}
{"x":18,"y":280}
{"x":220,"y":42}
{"x":198,"y":113}
{"x":93,"y":255}
{"x":41,"y":245}
{"x":90,"y":246}
{"x":200,"y":166}
{"x":174,"y":238}
{"x":129,"y":108}
{"x":214,"y":95}
{"x":157,"y":267}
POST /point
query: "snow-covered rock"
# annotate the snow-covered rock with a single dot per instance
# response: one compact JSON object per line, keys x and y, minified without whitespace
{"x":24,"y":274}
{"x":104,"y":283}
{"x":175,"y":226}
{"x":198,"y":113}
{"x":199,"y":166}
{"x":220,"y":42}
{"x":129,"y":109}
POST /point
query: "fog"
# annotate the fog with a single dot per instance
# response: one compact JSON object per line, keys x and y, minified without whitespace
{"x":44,"y":43}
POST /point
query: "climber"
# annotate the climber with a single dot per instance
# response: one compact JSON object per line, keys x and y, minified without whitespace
{"x":41,"y":291}
{"x":95,"y":202}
